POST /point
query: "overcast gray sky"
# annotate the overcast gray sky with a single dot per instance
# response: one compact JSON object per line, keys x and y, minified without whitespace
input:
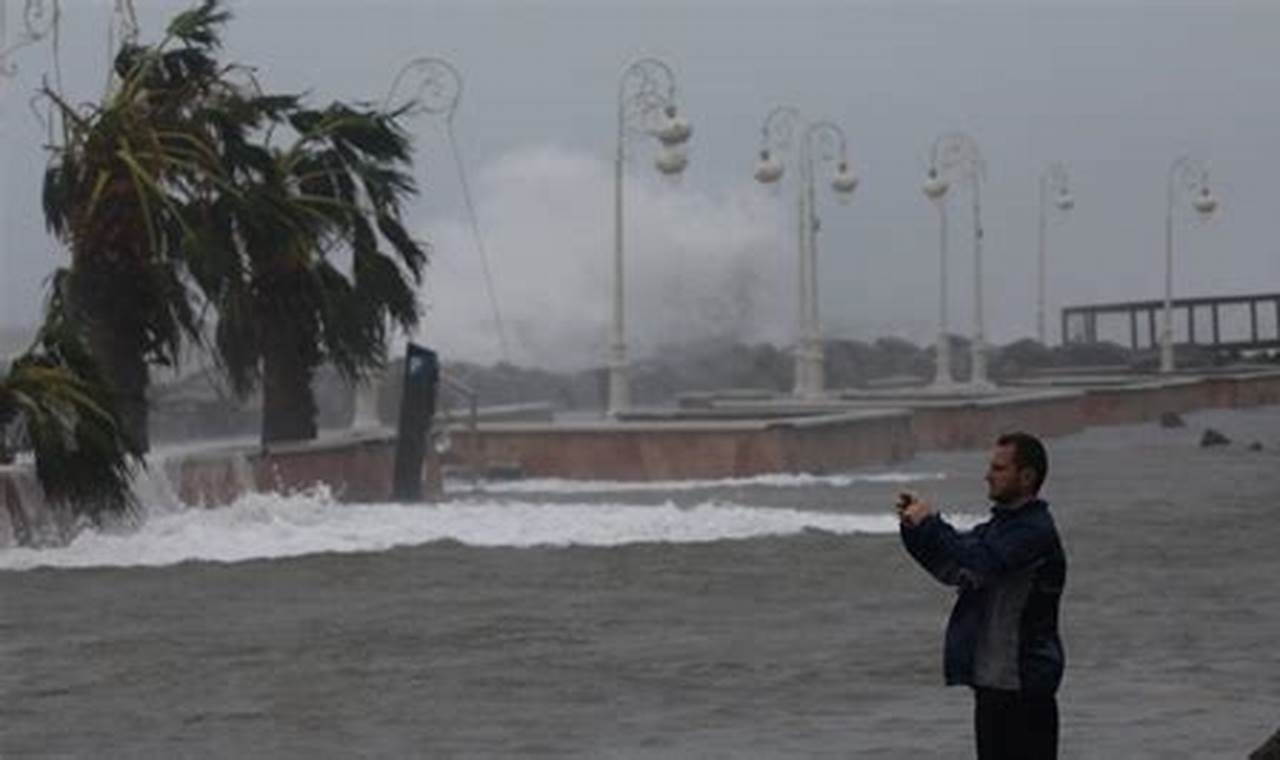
{"x":1117,"y":90}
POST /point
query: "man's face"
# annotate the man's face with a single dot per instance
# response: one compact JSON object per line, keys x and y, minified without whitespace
{"x":1005,"y":484}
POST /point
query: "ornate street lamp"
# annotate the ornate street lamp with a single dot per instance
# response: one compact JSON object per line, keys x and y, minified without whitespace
{"x":821,"y":141}
{"x":1192,"y":175}
{"x":957,"y":154}
{"x":1054,"y":181}
{"x":646,"y":106}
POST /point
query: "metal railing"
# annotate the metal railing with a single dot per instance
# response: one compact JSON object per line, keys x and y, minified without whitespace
{"x":1080,"y":323}
{"x":472,"y":398}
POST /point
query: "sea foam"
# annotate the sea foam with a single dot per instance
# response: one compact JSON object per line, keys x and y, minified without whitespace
{"x":271,"y":526}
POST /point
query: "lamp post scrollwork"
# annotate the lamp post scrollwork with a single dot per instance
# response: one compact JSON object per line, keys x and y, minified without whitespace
{"x":38,"y":20}
{"x":437,"y":88}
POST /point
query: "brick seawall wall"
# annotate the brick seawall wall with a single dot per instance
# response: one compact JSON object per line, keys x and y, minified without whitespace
{"x":676,"y":450}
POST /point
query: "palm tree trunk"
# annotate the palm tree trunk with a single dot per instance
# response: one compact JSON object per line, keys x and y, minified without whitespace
{"x":125,"y":368}
{"x":7,"y":414}
{"x":115,"y":336}
{"x":288,"y":402}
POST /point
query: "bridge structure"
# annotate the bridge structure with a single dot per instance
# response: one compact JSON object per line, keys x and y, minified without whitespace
{"x":1226,"y":323}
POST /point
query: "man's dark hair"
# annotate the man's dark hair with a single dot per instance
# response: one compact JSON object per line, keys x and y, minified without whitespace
{"x":1028,"y":452}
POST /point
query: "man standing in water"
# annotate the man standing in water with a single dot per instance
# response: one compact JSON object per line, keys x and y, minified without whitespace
{"x":1002,"y":639}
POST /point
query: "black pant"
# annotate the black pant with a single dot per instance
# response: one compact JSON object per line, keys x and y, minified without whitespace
{"x":1011,"y":725}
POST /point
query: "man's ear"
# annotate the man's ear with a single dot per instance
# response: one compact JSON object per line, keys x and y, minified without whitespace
{"x":1027,"y":477}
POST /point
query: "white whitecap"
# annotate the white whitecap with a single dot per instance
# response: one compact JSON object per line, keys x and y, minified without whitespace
{"x":269,"y":526}
{"x":779,"y":480}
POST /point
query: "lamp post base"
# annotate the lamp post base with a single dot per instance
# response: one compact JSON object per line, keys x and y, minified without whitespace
{"x":942,"y":377}
{"x":810,"y":374}
{"x":619,"y":400}
{"x":1166,"y":359}
{"x":943,"y":384}
{"x":980,"y":386}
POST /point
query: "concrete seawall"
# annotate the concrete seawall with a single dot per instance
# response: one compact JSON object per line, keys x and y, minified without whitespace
{"x":840,"y":435}
{"x":674,"y":449}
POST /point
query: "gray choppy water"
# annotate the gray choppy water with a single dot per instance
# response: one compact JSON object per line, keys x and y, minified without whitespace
{"x":812,"y":643}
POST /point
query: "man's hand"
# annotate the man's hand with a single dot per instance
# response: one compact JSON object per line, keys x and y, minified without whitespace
{"x":912,"y":510}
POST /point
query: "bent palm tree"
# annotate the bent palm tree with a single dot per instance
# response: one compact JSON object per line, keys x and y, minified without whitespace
{"x":174,"y":181}
{"x":119,"y":191}
{"x":114,"y":192}
{"x":54,"y":395}
{"x":285,"y":305}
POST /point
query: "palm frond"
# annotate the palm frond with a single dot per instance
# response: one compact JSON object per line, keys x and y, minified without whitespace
{"x":199,"y":25}
{"x":83,"y":461}
{"x":412,"y":252}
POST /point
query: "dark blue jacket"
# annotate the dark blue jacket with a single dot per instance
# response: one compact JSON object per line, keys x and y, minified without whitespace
{"x":1010,"y":571}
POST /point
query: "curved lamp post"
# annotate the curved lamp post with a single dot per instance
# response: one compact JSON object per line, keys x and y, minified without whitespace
{"x":1192,"y":176}
{"x":1054,"y":181}
{"x":957,"y":154}
{"x":822,"y":141}
{"x":646,"y":106}
{"x":436,"y":92}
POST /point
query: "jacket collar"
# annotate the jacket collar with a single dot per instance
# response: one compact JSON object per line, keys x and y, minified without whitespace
{"x":1033,"y":504}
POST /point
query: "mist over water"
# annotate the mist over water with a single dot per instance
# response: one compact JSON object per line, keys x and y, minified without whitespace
{"x":1115,"y":90}
{"x":697,"y":265}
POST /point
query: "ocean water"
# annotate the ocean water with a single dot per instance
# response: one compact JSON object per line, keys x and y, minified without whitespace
{"x":752,"y":618}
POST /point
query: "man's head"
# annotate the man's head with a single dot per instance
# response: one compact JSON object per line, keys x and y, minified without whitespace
{"x":1018,"y":467}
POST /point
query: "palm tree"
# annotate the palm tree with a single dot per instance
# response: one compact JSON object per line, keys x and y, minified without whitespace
{"x":285,"y":303}
{"x":175,"y":180}
{"x":119,"y":191}
{"x":55,"y":399}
